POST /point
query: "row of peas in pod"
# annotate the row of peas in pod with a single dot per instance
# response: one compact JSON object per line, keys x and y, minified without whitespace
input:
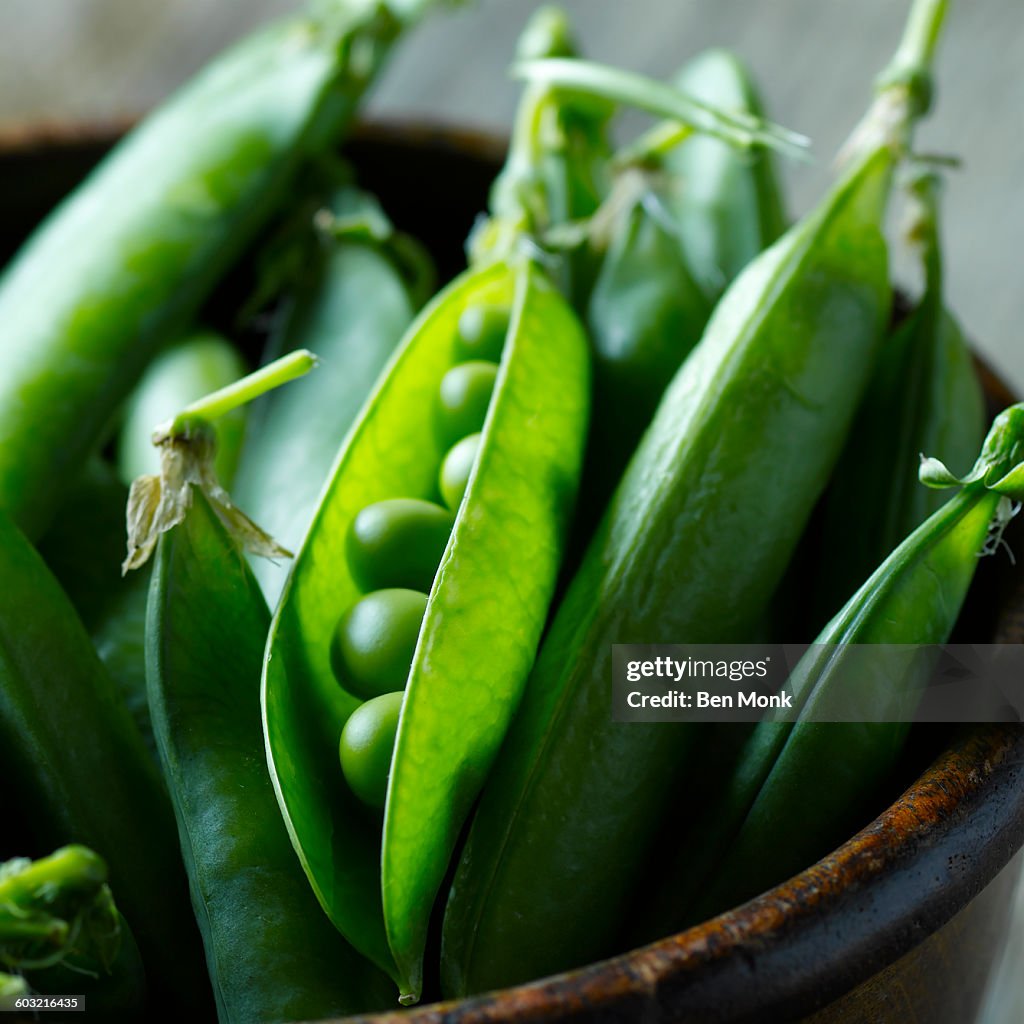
{"x":394,"y":548}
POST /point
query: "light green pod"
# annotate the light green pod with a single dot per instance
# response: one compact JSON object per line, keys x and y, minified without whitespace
{"x":485,"y":612}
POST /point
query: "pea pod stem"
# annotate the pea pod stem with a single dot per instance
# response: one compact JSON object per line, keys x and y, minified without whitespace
{"x":911,"y":64}
{"x":904,"y":87}
{"x":554,"y":175}
{"x":653,"y":144}
{"x":157,"y":503}
{"x":227,"y":399}
{"x":656,"y":98}
{"x":17,"y":929}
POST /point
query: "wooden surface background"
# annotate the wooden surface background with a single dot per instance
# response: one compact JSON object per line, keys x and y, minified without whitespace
{"x":815,"y":59}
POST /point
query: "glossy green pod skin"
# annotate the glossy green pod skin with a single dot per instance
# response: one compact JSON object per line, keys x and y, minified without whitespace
{"x":644,"y":316}
{"x":197,"y":365}
{"x":924,"y":397}
{"x":272,"y":954}
{"x":482,"y":623}
{"x":801,"y":786}
{"x":83,"y":549}
{"x":727,"y":203}
{"x":351,"y":311}
{"x":693,"y":544}
{"x":70,"y":747}
{"x":122,"y":265}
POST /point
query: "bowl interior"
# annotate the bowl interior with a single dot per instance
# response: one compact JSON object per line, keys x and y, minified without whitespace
{"x":434,"y":183}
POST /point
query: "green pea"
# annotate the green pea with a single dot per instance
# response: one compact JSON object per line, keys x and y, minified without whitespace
{"x":482,"y":330}
{"x":375,"y":640}
{"x":465,"y":395}
{"x":398,"y":543}
{"x":367,"y":743}
{"x":456,"y":468}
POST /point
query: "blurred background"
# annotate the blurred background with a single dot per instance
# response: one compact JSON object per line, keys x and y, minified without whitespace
{"x":91,"y":60}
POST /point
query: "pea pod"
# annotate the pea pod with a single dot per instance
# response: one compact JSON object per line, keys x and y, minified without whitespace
{"x":644,"y":315}
{"x":924,"y":397}
{"x":761,"y":408}
{"x":122,"y":265}
{"x":498,"y":567}
{"x":727,"y":203}
{"x":642,"y":306}
{"x":69,"y":746}
{"x":271,"y":953}
{"x":800,"y":786}
{"x":350,"y":309}
{"x":85,"y":542}
{"x":200,"y":363}
{"x":82,"y":549}
{"x":693,"y":544}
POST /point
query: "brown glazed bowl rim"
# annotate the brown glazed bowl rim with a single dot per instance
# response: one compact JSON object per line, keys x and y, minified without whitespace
{"x":806,"y":942}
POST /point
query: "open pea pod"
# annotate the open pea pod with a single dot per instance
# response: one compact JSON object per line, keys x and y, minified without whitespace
{"x":510,"y":504}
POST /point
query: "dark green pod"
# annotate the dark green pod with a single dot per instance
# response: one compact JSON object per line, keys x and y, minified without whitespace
{"x":83,"y":549}
{"x":801,"y":786}
{"x":644,"y":315}
{"x":693,"y":544}
{"x":727,"y":202}
{"x":69,"y":746}
{"x":272,"y":954}
{"x":924,"y":397}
